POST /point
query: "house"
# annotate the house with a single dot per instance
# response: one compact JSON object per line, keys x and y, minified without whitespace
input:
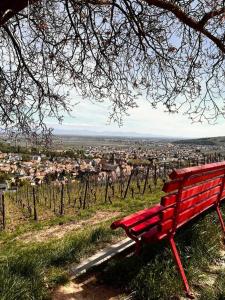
{"x":36,"y":158}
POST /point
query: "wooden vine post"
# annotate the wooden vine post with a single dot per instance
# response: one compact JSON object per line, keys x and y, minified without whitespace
{"x":128,"y":184}
{"x":68,"y":193}
{"x":62,"y":200}
{"x":146,"y":180}
{"x":3,"y":211}
{"x":106,"y":187}
{"x":155,"y":175}
{"x":34,"y":204}
{"x":85,"y":192}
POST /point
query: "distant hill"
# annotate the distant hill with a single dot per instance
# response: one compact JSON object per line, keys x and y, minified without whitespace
{"x":109,"y":134}
{"x":211,"y":141}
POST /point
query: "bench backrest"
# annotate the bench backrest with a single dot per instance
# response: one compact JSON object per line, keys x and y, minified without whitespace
{"x":191,"y":191}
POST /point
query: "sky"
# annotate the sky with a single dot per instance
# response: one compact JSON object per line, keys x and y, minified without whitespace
{"x":144,"y":120}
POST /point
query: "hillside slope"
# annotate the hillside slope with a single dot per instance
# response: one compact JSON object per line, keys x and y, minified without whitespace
{"x":212,"y":141}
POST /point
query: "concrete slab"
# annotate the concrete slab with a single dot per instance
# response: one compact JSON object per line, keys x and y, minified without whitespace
{"x":101,"y":256}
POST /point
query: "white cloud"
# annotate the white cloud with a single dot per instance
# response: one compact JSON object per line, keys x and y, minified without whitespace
{"x":143,"y":120}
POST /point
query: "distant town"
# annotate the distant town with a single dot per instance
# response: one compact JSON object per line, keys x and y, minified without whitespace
{"x":73,"y":157}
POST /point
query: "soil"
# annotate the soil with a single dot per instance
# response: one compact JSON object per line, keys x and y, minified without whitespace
{"x":87,"y":288}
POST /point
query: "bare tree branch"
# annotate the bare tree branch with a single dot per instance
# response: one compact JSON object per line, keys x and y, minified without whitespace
{"x":168,"y":51}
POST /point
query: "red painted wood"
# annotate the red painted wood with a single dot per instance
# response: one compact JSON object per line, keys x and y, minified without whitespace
{"x":199,"y":198}
{"x":155,"y":234}
{"x":205,"y":186}
{"x":188,"y":213}
{"x":165,"y":226}
{"x":171,"y":186}
{"x":168,"y":200}
{"x":195,"y":210}
{"x":167,"y":214}
{"x":223,"y":194}
{"x":136,"y":218}
{"x":180,"y":173}
{"x":144,"y":226}
{"x":160,"y":236}
{"x":175,"y":184}
{"x":151,"y":235}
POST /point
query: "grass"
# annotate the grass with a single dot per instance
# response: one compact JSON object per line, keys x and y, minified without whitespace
{"x":35,"y":268}
{"x":31,"y":271}
{"x":217,"y":291}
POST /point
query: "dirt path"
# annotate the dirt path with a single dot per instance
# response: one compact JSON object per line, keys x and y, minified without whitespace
{"x":87,"y":288}
{"x":58,"y":231}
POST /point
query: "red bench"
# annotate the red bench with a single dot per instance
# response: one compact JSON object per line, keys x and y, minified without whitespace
{"x":190,"y":192}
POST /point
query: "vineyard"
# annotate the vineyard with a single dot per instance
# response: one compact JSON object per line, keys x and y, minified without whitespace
{"x":69,"y":199}
{"x":47,"y":227}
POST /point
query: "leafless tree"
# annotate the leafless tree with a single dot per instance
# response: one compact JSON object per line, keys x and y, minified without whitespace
{"x":171,"y":52}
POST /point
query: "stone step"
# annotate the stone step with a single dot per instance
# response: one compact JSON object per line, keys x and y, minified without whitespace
{"x":100,"y":257}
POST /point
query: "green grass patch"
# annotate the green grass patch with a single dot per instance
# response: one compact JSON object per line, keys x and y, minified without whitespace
{"x":31,"y":270}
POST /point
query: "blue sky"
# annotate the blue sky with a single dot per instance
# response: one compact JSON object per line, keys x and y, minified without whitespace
{"x":142,"y":120}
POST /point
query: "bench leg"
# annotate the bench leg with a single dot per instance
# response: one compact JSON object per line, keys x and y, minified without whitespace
{"x":138,"y":248}
{"x":220,"y":218}
{"x":137,"y":242}
{"x":180,"y":267}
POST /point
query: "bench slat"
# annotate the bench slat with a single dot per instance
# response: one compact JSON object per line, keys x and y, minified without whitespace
{"x":167,"y":213}
{"x":171,"y":199}
{"x":175,"y":184}
{"x":166,"y":226}
{"x":188,"y":214}
{"x":144,"y":226}
{"x":180,"y":173}
{"x":199,"y":198}
{"x":196,"y":190}
{"x":195,"y":210}
{"x":168,"y":200}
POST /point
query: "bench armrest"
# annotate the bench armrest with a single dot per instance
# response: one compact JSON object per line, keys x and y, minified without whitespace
{"x":137,"y":218}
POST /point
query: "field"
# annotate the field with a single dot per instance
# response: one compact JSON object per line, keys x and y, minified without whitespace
{"x":36,"y":255}
{"x":64,"y":142}
{"x":37,"y":248}
{"x":73,"y":141}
